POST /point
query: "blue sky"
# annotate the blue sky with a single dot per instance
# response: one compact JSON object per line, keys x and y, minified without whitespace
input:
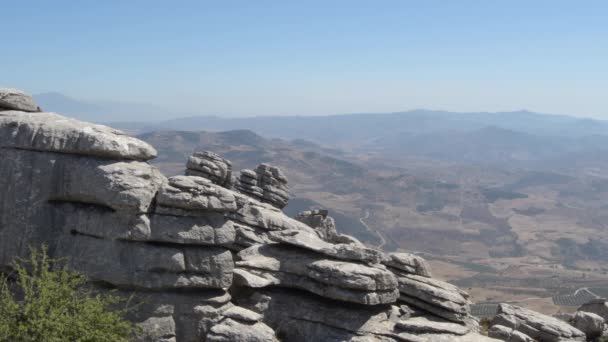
{"x":313,"y":57}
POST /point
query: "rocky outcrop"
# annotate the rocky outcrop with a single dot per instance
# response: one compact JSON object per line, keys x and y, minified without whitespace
{"x":210,"y":258}
{"x":514,"y":323}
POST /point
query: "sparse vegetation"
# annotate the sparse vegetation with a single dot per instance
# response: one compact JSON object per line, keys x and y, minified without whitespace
{"x":48,"y":302}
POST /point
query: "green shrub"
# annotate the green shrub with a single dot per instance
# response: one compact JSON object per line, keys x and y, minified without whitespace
{"x":48,"y":302}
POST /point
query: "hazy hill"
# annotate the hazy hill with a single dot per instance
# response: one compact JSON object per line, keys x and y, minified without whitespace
{"x":359,"y":129}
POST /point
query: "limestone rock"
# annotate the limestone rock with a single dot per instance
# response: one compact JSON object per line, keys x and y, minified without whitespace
{"x":423,"y":325}
{"x":437,"y":297}
{"x":321,"y":222}
{"x":211,"y":166}
{"x":267,"y":184}
{"x":240,"y":324}
{"x":408,"y":263}
{"x":591,"y":324}
{"x":262,"y":266}
{"x":179,"y":317}
{"x":299,"y":317}
{"x":264,"y":216}
{"x":13,"y":99}
{"x":274,"y":185}
{"x":183,"y":194}
{"x":597,"y":306}
{"x":55,"y":133}
{"x":311,"y":241}
{"x":535,"y":325}
{"x":508,"y":334}
{"x":230,"y":330}
{"x":212,"y":229}
{"x":123,"y":186}
{"x":132,"y":265}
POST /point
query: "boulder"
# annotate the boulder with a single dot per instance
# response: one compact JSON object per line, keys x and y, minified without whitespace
{"x":13,"y":99}
{"x":535,"y":325}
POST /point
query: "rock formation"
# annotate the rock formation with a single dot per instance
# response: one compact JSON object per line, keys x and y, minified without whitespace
{"x":267,"y":184}
{"x":513,"y":323}
{"x":211,"y":257}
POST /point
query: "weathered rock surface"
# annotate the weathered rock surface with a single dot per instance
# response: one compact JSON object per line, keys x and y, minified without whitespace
{"x":267,"y":184}
{"x":299,"y":317}
{"x":508,"y":334}
{"x":270,"y":265}
{"x":311,"y":241}
{"x":596,"y":306}
{"x":190,"y":193}
{"x":13,"y":99}
{"x":591,"y":324}
{"x":408,"y":263}
{"x":54,"y":133}
{"x":321,"y":222}
{"x":437,"y":297}
{"x":211,"y":166}
{"x":139,"y":265}
{"x":536,"y":326}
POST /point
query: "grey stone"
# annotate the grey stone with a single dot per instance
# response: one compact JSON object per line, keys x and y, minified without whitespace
{"x":508,"y":334}
{"x":311,"y":241}
{"x":136,"y":265}
{"x":230,"y":330}
{"x":13,"y":99}
{"x":321,"y":222}
{"x":170,"y":316}
{"x":190,"y":193}
{"x":55,"y":133}
{"x":440,"y":298}
{"x":597,"y":306}
{"x":241,"y":314}
{"x":423,"y":325}
{"x":122,"y":186}
{"x":535,"y":325}
{"x":591,"y":324}
{"x":212,"y":229}
{"x":408,"y":263}
{"x":266,"y":265}
{"x":253,"y":213}
{"x":211,"y":166}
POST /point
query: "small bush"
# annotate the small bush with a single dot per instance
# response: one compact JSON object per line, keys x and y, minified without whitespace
{"x":50,"y":303}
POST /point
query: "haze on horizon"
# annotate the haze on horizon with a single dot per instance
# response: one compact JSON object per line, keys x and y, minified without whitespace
{"x":243,"y":58}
